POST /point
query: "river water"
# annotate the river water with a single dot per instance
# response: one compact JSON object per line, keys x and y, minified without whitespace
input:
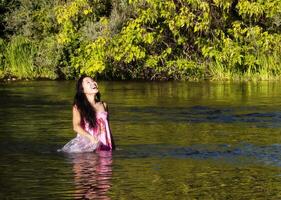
{"x":175,"y":140}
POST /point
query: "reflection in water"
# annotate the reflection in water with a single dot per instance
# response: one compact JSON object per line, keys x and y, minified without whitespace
{"x":92,"y":174}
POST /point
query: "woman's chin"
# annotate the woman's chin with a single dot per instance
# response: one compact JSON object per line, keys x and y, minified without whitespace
{"x":92,"y":93}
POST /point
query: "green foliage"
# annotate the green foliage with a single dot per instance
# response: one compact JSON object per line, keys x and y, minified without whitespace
{"x":19,"y":56}
{"x":26,"y":59}
{"x":32,"y":41}
{"x":88,"y":56}
{"x":143,"y":39}
{"x":46,"y":58}
{"x":264,"y":12}
{"x":245,"y":51}
{"x":91,"y":58}
{"x":2,"y":59}
{"x":32,"y":19}
{"x":157,"y":38}
{"x":67,"y":15}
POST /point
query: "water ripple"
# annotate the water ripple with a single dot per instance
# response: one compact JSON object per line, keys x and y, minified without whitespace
{"x":268,"y":155}
{"x":200,"y":114}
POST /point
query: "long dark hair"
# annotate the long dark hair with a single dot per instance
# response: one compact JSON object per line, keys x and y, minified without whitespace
{"x":86,"y":110}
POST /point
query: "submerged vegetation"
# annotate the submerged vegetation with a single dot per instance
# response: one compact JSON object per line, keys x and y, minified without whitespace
{"x":152,"y":39}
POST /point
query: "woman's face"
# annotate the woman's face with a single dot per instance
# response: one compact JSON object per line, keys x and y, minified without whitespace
{"x":90,"y":86}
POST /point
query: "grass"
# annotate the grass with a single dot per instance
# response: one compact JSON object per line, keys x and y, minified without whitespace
{"x":19,"y":58}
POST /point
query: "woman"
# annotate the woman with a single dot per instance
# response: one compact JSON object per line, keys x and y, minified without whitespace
{"x":90,"y":120}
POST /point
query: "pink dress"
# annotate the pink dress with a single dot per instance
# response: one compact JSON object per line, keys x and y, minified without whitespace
{"x":101,"y":131}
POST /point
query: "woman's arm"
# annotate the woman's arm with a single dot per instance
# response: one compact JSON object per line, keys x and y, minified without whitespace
{"x":76,"y":121}
{"x":112,"y":140}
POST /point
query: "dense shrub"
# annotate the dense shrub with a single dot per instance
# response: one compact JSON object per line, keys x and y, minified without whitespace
{"x":152,"y":39}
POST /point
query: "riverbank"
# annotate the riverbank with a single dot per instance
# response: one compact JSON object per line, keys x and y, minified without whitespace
{"x":219,"y":76}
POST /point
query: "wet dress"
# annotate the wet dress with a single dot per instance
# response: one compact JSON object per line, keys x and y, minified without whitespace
{"x":83,"y":144}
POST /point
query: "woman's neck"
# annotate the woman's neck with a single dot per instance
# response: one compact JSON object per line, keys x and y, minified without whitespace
{"x":91,"y":98}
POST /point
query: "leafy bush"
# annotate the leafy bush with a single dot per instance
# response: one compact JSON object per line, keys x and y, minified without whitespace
{"x":143,"y":39}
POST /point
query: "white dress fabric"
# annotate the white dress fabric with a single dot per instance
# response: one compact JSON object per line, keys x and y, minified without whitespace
{"x":83,"y":144}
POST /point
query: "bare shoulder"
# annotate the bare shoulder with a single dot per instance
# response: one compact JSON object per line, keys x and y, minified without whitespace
{"x":105,"y":105}
{"x":75,"y":109}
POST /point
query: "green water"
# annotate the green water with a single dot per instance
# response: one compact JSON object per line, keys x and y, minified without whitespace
{"x":175,"y":140}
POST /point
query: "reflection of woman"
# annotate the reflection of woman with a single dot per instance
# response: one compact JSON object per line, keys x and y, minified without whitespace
{"x":90,"y":120}
{"x":92,"y":174}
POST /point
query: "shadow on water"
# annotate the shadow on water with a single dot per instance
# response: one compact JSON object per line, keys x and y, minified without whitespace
{"x":236,"y":155}
{"x":199,"y":114}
